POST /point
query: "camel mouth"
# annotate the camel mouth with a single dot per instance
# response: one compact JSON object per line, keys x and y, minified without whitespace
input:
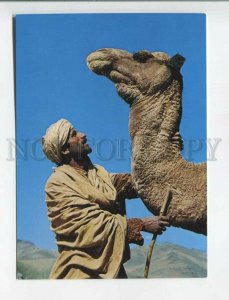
{"x":117,"y":77}
{"x":101,"y":61}
{"x":105,"y":68}
{"x":99,"y":67}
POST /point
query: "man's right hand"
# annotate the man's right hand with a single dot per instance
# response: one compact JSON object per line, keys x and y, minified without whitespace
{"x":155,"y":225}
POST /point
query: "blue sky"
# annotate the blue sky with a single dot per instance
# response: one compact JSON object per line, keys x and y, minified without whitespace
{"x":53,"y":82}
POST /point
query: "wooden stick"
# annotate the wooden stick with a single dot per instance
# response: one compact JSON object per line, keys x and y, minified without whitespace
{"x":150,"y":252}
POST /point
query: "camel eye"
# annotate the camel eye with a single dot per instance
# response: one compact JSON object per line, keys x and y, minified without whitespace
{"x":142,"y":56}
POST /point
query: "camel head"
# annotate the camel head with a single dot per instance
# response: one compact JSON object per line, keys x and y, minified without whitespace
{"x":138,"y":74}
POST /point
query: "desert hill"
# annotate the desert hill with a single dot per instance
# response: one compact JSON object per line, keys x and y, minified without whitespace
{"x":168,"y":261}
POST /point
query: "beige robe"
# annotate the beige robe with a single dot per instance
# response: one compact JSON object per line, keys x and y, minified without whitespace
{"x":90,"y":236}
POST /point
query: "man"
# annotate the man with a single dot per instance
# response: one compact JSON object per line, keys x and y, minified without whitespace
{"x":86,"y":209}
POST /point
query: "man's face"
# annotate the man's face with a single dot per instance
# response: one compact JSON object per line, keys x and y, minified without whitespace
{"x":77,"y":144}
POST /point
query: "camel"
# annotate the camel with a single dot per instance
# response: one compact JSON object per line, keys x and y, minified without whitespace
{"x":151,"y":83}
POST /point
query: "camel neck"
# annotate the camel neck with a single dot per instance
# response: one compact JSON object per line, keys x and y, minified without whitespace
{"x":155,"y":120}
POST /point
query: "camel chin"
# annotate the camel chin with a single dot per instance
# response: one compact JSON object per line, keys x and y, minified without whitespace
{"x":127,"y":94}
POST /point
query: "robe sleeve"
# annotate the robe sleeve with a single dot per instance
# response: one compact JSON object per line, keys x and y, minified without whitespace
{"x":125,"y":190}
{"x":124,"y":186}
{"x":134,"y":228}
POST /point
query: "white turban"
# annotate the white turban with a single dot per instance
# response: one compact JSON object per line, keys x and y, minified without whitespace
{"x":55,"y":138}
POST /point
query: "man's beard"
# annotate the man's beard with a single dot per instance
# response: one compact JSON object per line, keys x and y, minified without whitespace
{"x":87,"y":149}
{"x":82,"y":151}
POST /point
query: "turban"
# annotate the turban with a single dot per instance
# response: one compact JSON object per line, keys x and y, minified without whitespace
{"x":55,"y":138}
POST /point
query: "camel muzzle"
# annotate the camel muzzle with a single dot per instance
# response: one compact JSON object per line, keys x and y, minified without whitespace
{"x":101,"y":61}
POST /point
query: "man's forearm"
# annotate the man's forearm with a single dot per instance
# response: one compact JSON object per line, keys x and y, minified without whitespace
{"x":124,"y":186}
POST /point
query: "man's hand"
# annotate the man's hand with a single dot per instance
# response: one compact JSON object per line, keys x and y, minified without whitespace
{"x":155,"y":225}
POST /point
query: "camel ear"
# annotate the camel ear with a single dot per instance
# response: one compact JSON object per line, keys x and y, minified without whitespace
{"x":177,"y":61}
